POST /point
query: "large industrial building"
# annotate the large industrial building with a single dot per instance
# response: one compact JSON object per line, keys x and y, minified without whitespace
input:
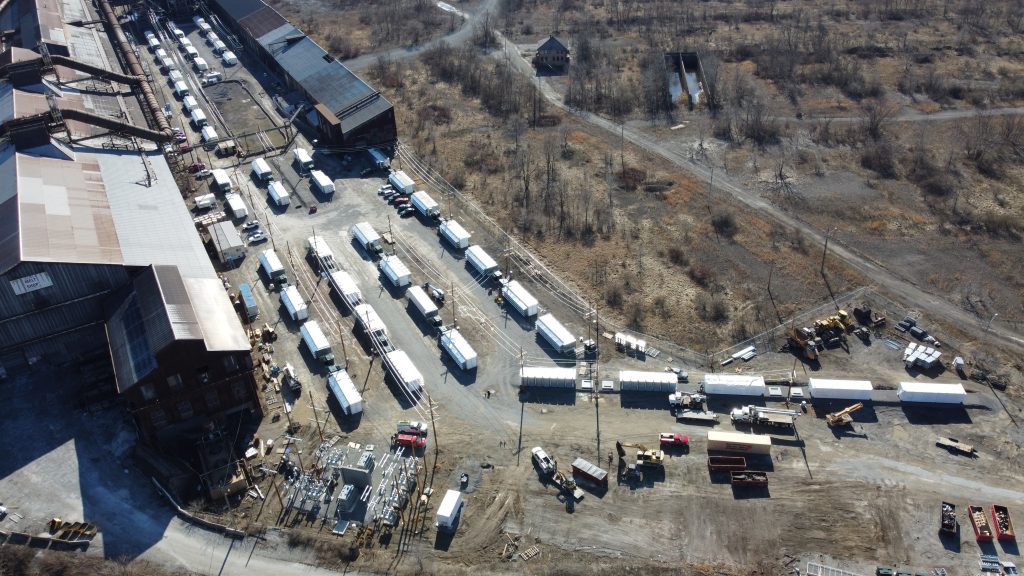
{"x":98,"y":251}
{"x":347,"y":111}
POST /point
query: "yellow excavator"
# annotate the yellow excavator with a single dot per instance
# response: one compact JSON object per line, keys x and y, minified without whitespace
{"x":843,"y":417}
{"x":803,"y":340}
{"x":644,"y":455}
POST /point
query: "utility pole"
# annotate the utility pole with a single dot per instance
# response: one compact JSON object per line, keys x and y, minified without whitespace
{"x":316,"y":416}
{"x":597,"y":386}
{"x":455,"y":321}
{"x":822,"y":271}
{"x":433,"y":430}
{"x":770,"y":297}
{"x":298,"y":453}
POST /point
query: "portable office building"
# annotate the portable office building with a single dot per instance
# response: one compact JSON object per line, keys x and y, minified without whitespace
{"x":425,"y":205}
{"x":734,"y":384}
{"x":302,"y":158}
{"x":221,"y":180}
{"x":278,"y":194}
{"x":739,"y":442}
{"x":248,"y":300}
{"x":198,"y":118}
{"x":345,"y":392}
{"x":316,"y":342}
{"x":927,"y":392}
{"x":396,"y":271}
{"x":547,"y":377}
{"x":322,"y":183}
{"x":824,"y":389}
{"x":520,"y":298}
{"x":639,"y":381}
{"x":262,"y":170}
{"x":294,"y":304}
{"x":401,"y":182}
{"x":404,"y":371}
{"x":455,"y":234}
{"x":482,"y":262}
{"x":271,"y":265}
{"x":226,"y":241}
{"x":346,"y":288}
{"x":556,"y":334}
{"x":459,"y":349}
{"x":448,"y":511}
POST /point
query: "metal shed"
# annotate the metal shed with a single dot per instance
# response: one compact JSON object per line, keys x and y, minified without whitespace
{"x":226,"y":241}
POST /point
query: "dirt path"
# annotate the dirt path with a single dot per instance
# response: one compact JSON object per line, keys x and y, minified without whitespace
{"x":910,"y":115}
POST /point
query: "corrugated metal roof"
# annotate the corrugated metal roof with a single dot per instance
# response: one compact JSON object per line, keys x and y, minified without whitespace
{"x":239,"y":9}
{"x":301,"y":59}
{"x":271,"y":39}
{"x":217,"y":318}
{"x":262,"y":21}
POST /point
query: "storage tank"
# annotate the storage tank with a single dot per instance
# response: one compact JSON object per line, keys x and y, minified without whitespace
{"x":734,"y":384}
{"x":825,"y":389}
{"x":547,"y":377}
{"x":931,"y":393}
{"x":640,"y":381}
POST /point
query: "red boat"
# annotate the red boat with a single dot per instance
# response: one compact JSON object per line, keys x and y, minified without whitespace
{"x":1002,"y":523}
{"x":982,"y":529}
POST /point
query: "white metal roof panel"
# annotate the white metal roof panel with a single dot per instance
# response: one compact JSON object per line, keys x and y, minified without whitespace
{"x":515,"y":291}
{"x":555,"y":329}
{"x":648,"y":377}
{"x":457,"y":345}
{"x":850,"y":385}
{"x":547,"y":373}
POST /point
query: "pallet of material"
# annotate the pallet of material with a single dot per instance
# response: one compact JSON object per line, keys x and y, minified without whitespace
{"x":748,"y":478}
{"x":1003,"y":524}
{"x":982,"y":529}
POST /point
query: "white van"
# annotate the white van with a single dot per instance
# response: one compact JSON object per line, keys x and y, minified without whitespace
{"x":200,"y":64}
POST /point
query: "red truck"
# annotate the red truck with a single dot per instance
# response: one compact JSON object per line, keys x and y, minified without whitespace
{"x":410,"y":441}
{"x":674,"y":440}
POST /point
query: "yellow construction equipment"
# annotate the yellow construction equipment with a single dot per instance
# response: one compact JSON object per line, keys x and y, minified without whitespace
{"x":803,"y":340}
{"x":843,"y":417}
{"x":644,"y":455}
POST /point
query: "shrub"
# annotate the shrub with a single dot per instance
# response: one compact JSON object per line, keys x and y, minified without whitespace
{"x":724,"y":223}
{"x":881,"y":159}
{"x":701,"y":274}
{"x":677,"y":256}
{"x":712,"y":308}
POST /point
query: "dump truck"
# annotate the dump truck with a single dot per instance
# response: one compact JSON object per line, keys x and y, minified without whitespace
{"x":748,"y":478}
{"x":761,"y":416}
{"x":726,"y":463}
{"x":802,"y":340}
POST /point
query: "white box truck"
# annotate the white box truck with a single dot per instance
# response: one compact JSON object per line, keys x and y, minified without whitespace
{"x":198,"y":118}
{"x":321,"y":182}
{"x":367,"y":237}
{"x":371,"y":323}
{"x":190,"y":51}
{"x":221,"y":181}
{"x":278,"y":194}
{"x":190,"y":103}
{"x":396,"y":271}
{"x":345,"y":393}
{"x":229,"y":58}
{"x":175,"y":76}
{"x":448,"y":511}
{"x":236,"y":206}
{"x":552,"y":330}
{"x":206,"y":201}
{"x":302,"y":159}
{"x":200,"y":64}
{"x":160,"y":53}
{"x":261,"y":170}
{"x":294,"y":304}
{"x":458,"y":349}
{"x":272,"y":265}
{"x":154,"y":44}
{"x":419,"y":299}
{"x":316,"y":342}
{"x":219,"y":46}
{"x":482,"y":262}
{"x":345,"y":287}
{"x":455,"y":234}
{"x":320,"y":253}
{"x":425,"y":205}
{"x":400,"y":181}
{"x":180,"y":88}
{"x":380,"y":160}
{"x":404,"y":371}
{"x":208,"y":135}
{"x":514,"y":293}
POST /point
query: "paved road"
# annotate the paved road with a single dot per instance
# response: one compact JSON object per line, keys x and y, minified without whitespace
{"x":877,"y":271}
{"x":459,"y":36}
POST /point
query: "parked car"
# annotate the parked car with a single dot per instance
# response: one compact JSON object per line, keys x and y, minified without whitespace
{"x":436,"y":293}
{"x":400,"y":199}
{"x":180,"y":137}
{"x":184,"y":147}
{"x":406,"y":211}
{"x":545,"y":463}
{"x":168,"y":111}
{"x":256,"y":238}
{"x":196,"y":167}
{"x":384,"y":189}
{"x":391,"y":194}
{"x":251,"y":224}
{"x":203,"y":174}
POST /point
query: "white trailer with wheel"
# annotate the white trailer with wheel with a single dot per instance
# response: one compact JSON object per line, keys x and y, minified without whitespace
{"x":262,"y":170}
{"x":198,"y":118}
{"x":514,"y":293}
{"x":425,"y":205}
{"x":458,"y":349}
{"x":641,"y":381}
{"x":396,"y":271}
{"x":734,"y":384}
{"x":400,"y":181}
{"x":278,"y":194}
{"x":404,"y":371}
{"x":370,"y":322}
{"x":448,"y":511}
{"x":482,"y":262}
{"x":316,"y":342}
{"x":547,"y":377}
{"x":320,"y":253}
{"x":321,"y":182}
{"x":931,"y":393}
{"x":345,"y":393}
{"x":418,"y":297}
{"x":294,"y":304}
{"x":824,"y":389}
{"x":236,"y":206}
{"x":367,"y":237}
{"x":552,"y":330}
{"x":221,"y":180}
{"x":302,"y":159}
{"x":345,"y":287}
{"x":455,"y":234}
{"x":271,"y":265}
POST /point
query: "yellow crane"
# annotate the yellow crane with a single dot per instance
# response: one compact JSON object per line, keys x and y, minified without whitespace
{"x":843,"y":417}
{"x":644,"y":455}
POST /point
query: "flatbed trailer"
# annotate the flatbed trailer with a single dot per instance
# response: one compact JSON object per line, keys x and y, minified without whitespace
{"x":982,"y":529}
{"x":748,"y":478}
{"x":727,"y":463}
{"x":947,"y":518}
{"x":697,"y":416}
{"x":1003,"y":524}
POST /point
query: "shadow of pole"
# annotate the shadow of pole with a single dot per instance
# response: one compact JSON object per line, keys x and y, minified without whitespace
{"x":519,"y":447}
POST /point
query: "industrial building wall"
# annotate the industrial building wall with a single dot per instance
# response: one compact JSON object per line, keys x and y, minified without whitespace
{"x":75,"y":299}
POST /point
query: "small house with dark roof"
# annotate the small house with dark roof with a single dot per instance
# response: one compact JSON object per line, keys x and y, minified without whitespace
{"x":552,"y":54}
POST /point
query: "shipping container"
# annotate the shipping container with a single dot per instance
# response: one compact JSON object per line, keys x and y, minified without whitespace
{"x":401,"y":182}
{"x":302,"y":159}
{"x":482,"y":262}
{"x":824,"y":389}
{"x":726,"y":463}
{"x":555,"y":334}
{"x":236,"y":206}
{"x":738,"y":442}
{"x":249,"y":301}
{"x":448,"y":511}
{"x":927,"y":392}
{"x":221,"y":180}
{"x":271,"y":265}
{"x":404,"y":371}
{"x":321,"y":182}
{"x":262,"y":170}
{"x":278,"y":194}
{"x":425,"y":205}
{"x":458,"y":349}
{"x":345,"y":393}
{"x":639,"y":381}
{"x":367,"y":237}
{"x":589,"y":472}
{"x":345,"y":287}
{"x":733,"y":384}
{"x":395,"y":271}
{"x":316,"y":342}
{"x":982,"y":529}
{"x":455,"y":234}
{"x":524,"y":302}
{"x":294,"y":304}
{"x":547,"y":377}
{"x":1002,"y":523}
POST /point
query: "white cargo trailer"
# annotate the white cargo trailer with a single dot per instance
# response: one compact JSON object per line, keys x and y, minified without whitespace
{"x":547,"y":377}
{"x":640,"y":381}
{"x":229,"y":58}
{"x":278,"y":194}
{"x":321,"y":254}
{"x":316,"y":342}
{"x":198,"y":118}
{"x":302,"y":159}
{"x":190,"y":103}
{"x":236,"y":206}
{"x":734,"y":384}
{"x":396,"y":271}
{"x":448,"y":511}
{"x":294,"y":304}
{"x":345,"y":393}
{"x":482,"y":262}
{"x":160,"y":53}
{"x":346,"y":288}
{"x":425,"y":205}
{"x":180,"y":88}
{"x":459,"y":349}
{"x":404,"y":371}
{"x":206,"y":201}
{"x":418,"y":297}
{"x":271,"y":265}
{"x":200,"y":64}
{"x":176,"y":76}
{"x":401,"y":182}
{"x":262,"y":170}
{"x":929,"y":393}
{"x":514,"y":293}
{"x":221,"y":180}
{"x":370,"y":322}
{"x":208,"y":135}
{"x":321,"y":182}
{"x":552,"y":330}
{"x":455,"y":234}
{"x":825,"y":389}
{"x":367,"y":237}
